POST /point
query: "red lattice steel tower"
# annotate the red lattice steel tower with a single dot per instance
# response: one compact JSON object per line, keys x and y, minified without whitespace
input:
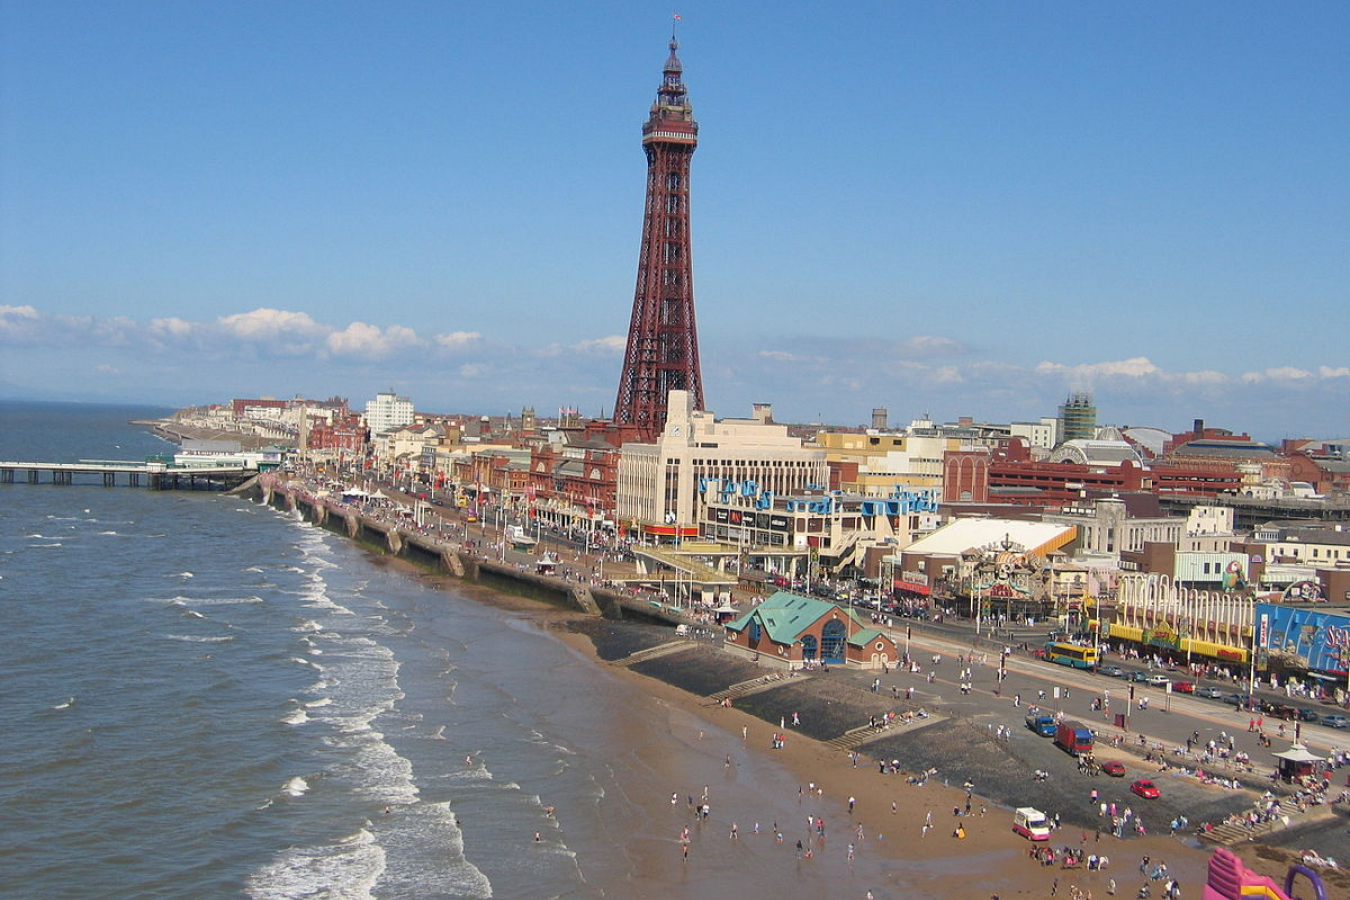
{"x":662,"y":354}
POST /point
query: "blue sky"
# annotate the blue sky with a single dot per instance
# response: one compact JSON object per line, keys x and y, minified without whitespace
{"x":954,"y":209}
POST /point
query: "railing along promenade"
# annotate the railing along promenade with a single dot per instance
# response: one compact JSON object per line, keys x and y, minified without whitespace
{"x":490,"y":566}
{"x":155,"y":475}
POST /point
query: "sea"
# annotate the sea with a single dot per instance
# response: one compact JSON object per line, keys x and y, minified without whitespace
{"x":205,"y":697}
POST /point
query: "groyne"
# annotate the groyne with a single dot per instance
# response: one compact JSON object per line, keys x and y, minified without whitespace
{"x":433,"y":554}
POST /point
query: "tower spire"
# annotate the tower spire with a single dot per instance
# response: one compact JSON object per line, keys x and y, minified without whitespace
{"x":662,"y":350}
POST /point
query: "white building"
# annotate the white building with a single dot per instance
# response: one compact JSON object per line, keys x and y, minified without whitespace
{"x":387,"y":412}
{"x":1043,"y":435}
{"x":658,"y":484}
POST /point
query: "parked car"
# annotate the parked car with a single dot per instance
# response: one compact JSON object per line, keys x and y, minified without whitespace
{"x":1336,"y":720}
{"x":1112,"y":671}
{"x":1157,"y":680}
{"x":1184,"y":687}
{"x":1145,"y":788}
{"x":1114,"y":767}
{"x":1212,"y":693}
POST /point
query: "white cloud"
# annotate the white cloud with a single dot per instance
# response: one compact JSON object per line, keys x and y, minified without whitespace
{"x":779,"y":355}
{"x":370,"y":342}
{"x":1277,"y":373}
{"x":1329,"y":372}
{"x":931,"y":345}
{"x":18,"y":323}
{"x":171,"y":327}
{"x":454,"y":340}
{"x":606,"y":346}
{"x":1136,"y":367}
{"x":267,"y":324}
{"x":107,"y":370}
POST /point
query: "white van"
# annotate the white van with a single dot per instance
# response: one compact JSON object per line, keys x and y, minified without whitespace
{"x":1031,"y":824}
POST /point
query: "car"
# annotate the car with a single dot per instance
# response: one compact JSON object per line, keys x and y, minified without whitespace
{"x":1137,"y":677}
{"x":1145,"y":788}
{"x":1307,"y":715}
{"x":1212,"y":693}
{"x":1336,"y":720}
{"x":470,"y":518}
{"x":1112,"y":671}
{"x":1114,"y":767}
{"x":1157,"y":680}
{"x":1184,"y":687}
{"x":1280,"y":711}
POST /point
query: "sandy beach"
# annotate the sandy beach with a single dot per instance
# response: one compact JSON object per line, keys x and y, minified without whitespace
{"x":756,"y":787}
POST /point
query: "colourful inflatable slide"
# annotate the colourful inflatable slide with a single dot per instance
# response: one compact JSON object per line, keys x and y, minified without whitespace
{"x":1229,"y":879}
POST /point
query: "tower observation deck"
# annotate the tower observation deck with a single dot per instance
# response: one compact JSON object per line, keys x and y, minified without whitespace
{"x":662,"y":350}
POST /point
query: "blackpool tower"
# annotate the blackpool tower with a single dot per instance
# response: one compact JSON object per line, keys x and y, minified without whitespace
{"x":662,"y":352}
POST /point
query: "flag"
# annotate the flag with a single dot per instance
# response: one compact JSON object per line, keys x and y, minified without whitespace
{"x":677,"y":17}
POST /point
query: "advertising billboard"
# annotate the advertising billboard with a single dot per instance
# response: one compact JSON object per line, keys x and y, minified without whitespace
{"x":1307,"y":638}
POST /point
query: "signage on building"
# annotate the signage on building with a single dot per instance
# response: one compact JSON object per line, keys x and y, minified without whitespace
{"x":914,"y":577}
{"x":1306,"y":639}
{"x":1303,"y":592}
{"x":778,"y":523}
{"x":1163,"y":635}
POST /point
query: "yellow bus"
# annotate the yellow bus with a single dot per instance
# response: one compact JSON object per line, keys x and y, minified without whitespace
{"x":1074,"y":655}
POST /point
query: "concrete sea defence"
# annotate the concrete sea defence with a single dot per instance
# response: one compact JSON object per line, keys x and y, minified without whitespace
{"x":437,"y":555}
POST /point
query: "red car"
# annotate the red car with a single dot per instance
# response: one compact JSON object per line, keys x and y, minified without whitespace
{"x":1114,"y":767}
{"x":1185,"y":687}
{"x":1146,"y":789}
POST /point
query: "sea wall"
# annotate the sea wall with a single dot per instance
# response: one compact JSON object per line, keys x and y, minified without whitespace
{"x":446,"y":558}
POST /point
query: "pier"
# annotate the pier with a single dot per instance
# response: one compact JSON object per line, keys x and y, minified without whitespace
{"x":156,"y":475}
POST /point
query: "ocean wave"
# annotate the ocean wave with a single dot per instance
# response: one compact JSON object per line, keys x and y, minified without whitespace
{"x":346,"y":870}
{"x":113,"y":533}
{"x":186,"y":575}
{"x":309,"y":626}
{"x":223,"y":601}
{"x":53,"y":544}
{"x":67,"y":705}
{"x":425,"y":850}
{"x":296,"y":717}
{"x":322,"y":701}
{"x":200,"y":639}
{"x":253,"y":569}
{"x":295,"y":787}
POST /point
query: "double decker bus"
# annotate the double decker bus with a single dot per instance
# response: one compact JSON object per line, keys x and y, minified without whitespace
{"x":1074,"y":655}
